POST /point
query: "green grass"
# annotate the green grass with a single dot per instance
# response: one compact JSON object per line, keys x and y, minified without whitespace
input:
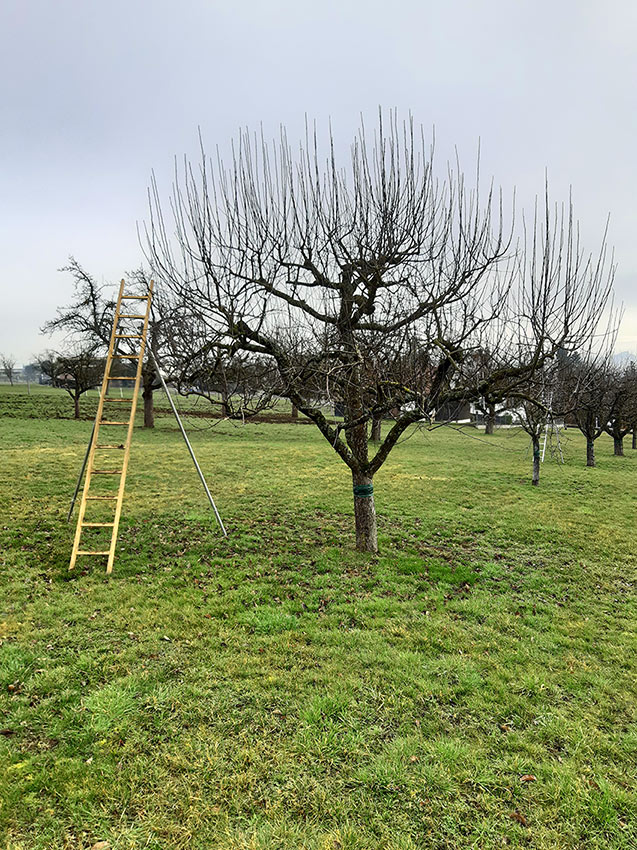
{"x":277,"y":689}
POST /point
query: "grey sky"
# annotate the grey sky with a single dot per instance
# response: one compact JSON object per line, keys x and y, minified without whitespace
{"x":94,"y":95}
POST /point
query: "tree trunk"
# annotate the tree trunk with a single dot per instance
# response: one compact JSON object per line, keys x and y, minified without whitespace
{"x":590,"y":452}
{"x":295,"y":412}
{"x":618,"y":443}
{"x":76,"y":405}
{"x":356,"y":436}
{"x":635,"y":438}
{"x":376,"y":426}
{"x":364,"y":513}
{"x":536,"y":460}
{"x":489,"y":420}
{"x":225,"y":407}
{"x":149,"y":413}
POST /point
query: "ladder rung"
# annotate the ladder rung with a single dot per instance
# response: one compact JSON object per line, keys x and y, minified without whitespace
{"x":131,"y":316}
{"x":135,"y":297}
{"x":127,"y":356}
{"x":97,"y":524}
{"x":118,"y":400}
{"x":102,"y":498}
{"x":105,"y":446}
{"x":106,"y":472}
{"x":110,"y":422}
{"x":84,"y":552}
{"x":129,"y":336}
{"x":122,"y":378}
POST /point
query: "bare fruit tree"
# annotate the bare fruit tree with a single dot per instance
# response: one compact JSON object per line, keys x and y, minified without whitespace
{"x":623,"y":393}
{"x":237,"y":384}
{"x":8,"y":366}
{"x":75,"y":370}
{"x":88,"y":319}
{"x":593,"y":400}
{"x":537,"y":408}
{"x":370,"y":283}
{"x":493,"y":403}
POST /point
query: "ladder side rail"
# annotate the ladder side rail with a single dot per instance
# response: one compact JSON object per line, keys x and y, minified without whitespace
{"x":98,"y":417}
{"x":129,"y":435}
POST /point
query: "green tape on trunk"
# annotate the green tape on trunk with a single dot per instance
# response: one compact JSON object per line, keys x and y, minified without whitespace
{"x":363,"y":490}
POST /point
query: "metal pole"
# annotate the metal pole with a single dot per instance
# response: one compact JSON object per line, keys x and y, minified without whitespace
{"x":79,"y":480}
{"x":187,"y":441}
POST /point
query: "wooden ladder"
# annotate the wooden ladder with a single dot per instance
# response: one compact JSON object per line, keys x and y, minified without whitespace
{"x":113,"y":359}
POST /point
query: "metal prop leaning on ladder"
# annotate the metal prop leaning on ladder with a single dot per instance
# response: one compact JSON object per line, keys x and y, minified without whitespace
{"x":94,"y":444}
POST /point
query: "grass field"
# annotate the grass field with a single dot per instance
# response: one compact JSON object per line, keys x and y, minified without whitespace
{"x":45,"y":402}
{"x":472,"y":686}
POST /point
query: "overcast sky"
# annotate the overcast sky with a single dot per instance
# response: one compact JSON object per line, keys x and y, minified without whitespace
{"x":95,"y":95}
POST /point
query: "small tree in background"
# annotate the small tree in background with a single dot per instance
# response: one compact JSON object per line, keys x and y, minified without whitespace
{"x":592,"y":400}
{"x":75,"y":371}
{"x":7,"y":361}
{"x":623,"y":416}
{"x":493,"y":402}
{"x":540,"y":405}
{"x":238,"y":384}
{"x":374,"y":281}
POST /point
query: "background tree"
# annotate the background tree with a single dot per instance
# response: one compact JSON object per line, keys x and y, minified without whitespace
{"x":161,"y":325}
{"x":7,"y":361}
{"x":76,"y":371}
{"x":538,"y":407}
{"x":592,"y":399}
{"x":238,"y":384}
{"x":377,"y":269}
{"x":494,"y":402}
{"x":88,"y":321}
{"x":31,"y":371}
{"x":623,"y":395}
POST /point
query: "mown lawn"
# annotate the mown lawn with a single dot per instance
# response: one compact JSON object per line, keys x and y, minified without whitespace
{"x":474,"y":685}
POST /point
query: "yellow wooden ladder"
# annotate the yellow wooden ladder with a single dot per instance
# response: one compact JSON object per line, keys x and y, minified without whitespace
{"x":113,"y":359}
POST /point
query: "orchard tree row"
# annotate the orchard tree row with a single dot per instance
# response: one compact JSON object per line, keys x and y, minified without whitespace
{"x":382,"y":284}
